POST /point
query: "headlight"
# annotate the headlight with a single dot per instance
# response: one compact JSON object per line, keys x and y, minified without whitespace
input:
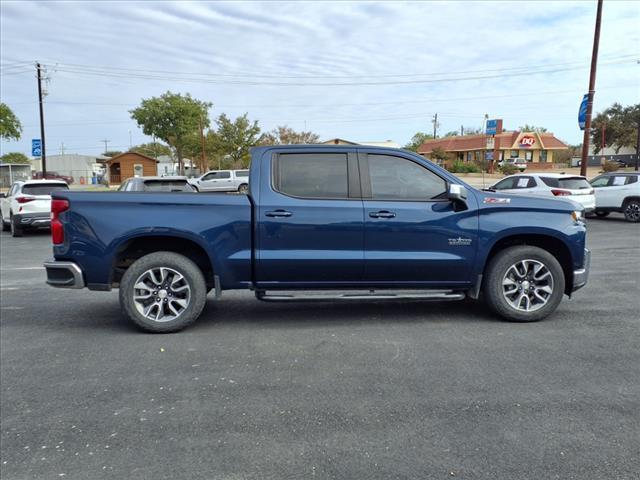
{"x":578,"y":216}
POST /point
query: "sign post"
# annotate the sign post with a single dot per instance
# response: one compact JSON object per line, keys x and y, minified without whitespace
{"x":493,"y":128}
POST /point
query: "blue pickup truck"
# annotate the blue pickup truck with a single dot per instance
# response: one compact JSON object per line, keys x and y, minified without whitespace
{"x":321,"y":223}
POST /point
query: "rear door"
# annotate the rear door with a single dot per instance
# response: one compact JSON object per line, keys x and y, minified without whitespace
{"x":309,"y":220}
{"x":413,"y":234}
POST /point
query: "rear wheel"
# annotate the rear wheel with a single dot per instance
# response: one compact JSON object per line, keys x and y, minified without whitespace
{"x":632,"y":211}
{"x":601,"y":214}
{"x":163,"y":292}
{"x":6,"y":226}
{"x":243,"y":189}
{"x":16,"y":231}
{"x":524,"y":284}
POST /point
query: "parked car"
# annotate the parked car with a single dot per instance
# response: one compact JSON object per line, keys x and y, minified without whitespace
{"x":379,"y":221}
{"x":618,"y":192}
{"x":519,"y":163}
{"x":28,"y":205}
{"x":156,"y":184}
{"x":53,"y":176}
{"x":570,"y":187}
{"x":222,"y":181}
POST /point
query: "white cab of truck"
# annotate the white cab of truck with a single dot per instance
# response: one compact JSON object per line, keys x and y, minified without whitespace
{"x":27,"y":205}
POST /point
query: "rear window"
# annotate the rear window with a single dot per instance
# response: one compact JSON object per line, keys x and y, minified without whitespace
{"x":242,"y":173}
{"x":571,"y":183}
{"x":43,"y":188}
{"x":167,"y":186}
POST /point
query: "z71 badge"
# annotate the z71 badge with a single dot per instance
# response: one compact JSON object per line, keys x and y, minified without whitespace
{"x":496,"y":200}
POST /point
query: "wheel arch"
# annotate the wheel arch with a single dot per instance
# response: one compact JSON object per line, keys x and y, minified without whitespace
{"x":551,"y":244}
{"x":136,"y":247}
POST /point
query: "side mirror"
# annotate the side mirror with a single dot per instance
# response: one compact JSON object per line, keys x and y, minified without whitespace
{"x":458,"y":196}
{"x":457,"y":192}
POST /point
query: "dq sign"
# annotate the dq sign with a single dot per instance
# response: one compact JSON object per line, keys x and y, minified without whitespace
{"x":527,"y":141}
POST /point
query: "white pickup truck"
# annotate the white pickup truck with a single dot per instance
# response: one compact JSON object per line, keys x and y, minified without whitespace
{"x":618,"y":192}
{"x":222,"y":181}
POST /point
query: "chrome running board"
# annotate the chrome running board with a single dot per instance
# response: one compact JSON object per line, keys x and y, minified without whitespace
{"x":325,"y":296}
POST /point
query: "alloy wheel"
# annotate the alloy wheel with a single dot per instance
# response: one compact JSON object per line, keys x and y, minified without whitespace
{"x":527,"y":285}
{"x":161,"y":294}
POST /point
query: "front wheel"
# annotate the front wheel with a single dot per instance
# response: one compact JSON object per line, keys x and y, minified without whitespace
{"x":163,"y":292}
{"x":524,"y":283}
{"x":632,"y":211}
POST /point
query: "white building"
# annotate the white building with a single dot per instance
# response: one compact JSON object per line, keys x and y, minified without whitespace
{"x":81,"y":167}
{"x":168,"y":166}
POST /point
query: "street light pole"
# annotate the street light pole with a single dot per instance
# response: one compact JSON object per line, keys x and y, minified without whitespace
{"x":43,"y":153}
{"x":592,"y":86}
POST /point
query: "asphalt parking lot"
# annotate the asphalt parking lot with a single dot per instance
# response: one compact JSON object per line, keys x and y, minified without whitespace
{"x":274,"y":391}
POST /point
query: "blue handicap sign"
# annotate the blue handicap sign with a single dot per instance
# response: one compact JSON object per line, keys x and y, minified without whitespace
{"x":36,"y":147}
{"x":582,"y":113}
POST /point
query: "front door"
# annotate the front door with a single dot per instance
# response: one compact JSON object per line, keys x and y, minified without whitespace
{"x":413,"y":233}
{"x":310,"y":220}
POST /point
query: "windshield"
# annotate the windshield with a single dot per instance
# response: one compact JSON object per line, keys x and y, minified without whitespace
{"x":43,"y":188}
{"x":167,"y":186}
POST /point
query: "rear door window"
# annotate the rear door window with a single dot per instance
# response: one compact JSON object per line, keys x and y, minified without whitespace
{"x":312,"y":175}
{"x":43,"y":188}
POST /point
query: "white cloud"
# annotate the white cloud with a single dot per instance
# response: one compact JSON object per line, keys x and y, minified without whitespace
{"x":358,"y":41}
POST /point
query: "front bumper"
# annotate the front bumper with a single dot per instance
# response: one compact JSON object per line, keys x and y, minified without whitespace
{"x":581,"y":275}
{"x":34,"y":220}
{"x":64,"y":274}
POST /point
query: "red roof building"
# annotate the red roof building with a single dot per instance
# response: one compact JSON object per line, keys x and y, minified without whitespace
{"x":534,"y":147}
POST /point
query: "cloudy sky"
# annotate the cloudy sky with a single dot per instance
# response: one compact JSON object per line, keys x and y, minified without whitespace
{"x":362,"y":71}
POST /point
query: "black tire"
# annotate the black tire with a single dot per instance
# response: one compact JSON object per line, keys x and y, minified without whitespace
{"x":16,"y":231}
{"x":192,"y":276}
{"x":601,"y":214}
{"x":5,"y":225}
{"x":243,"y":189}
{"x":631,"y":211}
{"x":497,"y":270}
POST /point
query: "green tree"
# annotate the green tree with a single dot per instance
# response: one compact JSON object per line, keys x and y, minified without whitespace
{"x":284,"y":135}
{"x":473,"y":131}
{"x":15,"y":157}
{"x":172,"y":118}
{"x":531,"y":128}
{"x":620,"y":127}
{"x":417,"y":140}
{"x":233,"y":139}
{"x":10,"y":126}
{"x":152,"y":149}
{"x":452,"y":133}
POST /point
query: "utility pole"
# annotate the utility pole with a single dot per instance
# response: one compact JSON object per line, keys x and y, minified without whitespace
{"x":638,"y":147}
{"x":106,"y":149}
{"x":40,"y":102}
{"x":435,"y":125}
{"x":461,"y":130}
{"x":592,"y":86}
{"x":61,"y":148}
{"x":130,"y":143}
{"x":202,"y":159}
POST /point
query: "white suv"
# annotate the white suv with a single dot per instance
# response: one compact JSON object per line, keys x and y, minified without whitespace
{"x":519,"y":163}
{"x":222,"y":181}
{"x":559,"y":185}
{"x":618,"y":192}
{"x":28,"y":205}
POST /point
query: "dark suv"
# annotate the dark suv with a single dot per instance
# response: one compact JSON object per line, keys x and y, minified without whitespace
{"x":53,"y":176}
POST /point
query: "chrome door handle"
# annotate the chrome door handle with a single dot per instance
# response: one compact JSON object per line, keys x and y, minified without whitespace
{"x":382,"y":214}
{"x":278,"y":213}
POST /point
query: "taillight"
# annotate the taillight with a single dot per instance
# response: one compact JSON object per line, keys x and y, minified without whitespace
{"x":57,"y":230}
{"x":560,"y":193}
{"x":24,"y":199}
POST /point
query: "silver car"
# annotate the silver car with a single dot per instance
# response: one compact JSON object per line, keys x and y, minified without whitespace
{"x":222,"y":181}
